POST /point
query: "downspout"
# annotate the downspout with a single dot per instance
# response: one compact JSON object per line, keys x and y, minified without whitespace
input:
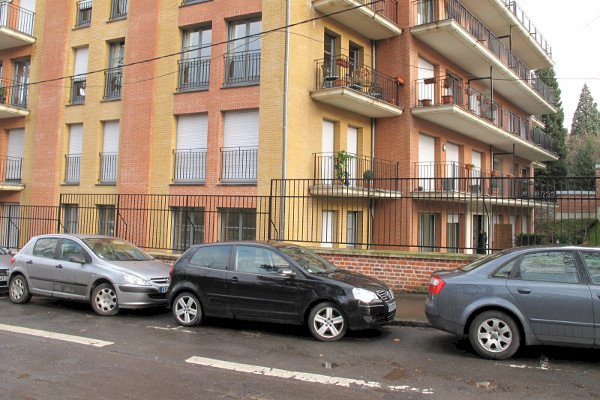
{"x":286,"y":76}
{"x":371,"y":205}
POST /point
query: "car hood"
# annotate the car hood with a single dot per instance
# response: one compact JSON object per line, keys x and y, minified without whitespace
{"x":4,"y":261}
{"x":357,"y":280}
{"x":144,"y":269}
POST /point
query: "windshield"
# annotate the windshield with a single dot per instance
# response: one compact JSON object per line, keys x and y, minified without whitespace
{"x":110,"y":249}
{"x":308,"y":259}
{"x":484,"y":260}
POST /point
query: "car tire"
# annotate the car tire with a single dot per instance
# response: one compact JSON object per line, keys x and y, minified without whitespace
{"x":187,"y":309}
{"x":494,"y":335}
{"x":327,"y":322}
{"x":104,"y":300}
{"x":18,"y":290}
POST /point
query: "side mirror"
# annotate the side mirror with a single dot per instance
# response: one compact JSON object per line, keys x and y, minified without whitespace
{"x":287,"y":272}
{"x":77,"y":259}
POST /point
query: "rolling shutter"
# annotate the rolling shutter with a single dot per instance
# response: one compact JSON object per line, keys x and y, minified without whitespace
{"x":192,"y":131}
{"x":75,"y":139}
{"x":352,"y":148}
{"x":426,"y":161}
{"x":81,"y":61}
{"x":240,"y":129}
{"x":15,"y":143}
{"x":111,"y":137}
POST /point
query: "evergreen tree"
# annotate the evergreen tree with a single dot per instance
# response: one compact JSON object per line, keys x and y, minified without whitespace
{"x":584,"y":154}
{"x":586,"y":119}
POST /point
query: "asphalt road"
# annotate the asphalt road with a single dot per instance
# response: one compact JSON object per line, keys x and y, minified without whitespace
{"x":145,"y":355}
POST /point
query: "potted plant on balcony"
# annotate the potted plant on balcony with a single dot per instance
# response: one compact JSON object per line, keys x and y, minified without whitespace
{"x":447,"y":99}
{"x":368,"y":176}
{"x":3,"y":91}
{"x":341,"y":166}
{"x":425,"y":102}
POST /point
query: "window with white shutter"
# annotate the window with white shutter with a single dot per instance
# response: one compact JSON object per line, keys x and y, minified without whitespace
{"x":14,"y":155}
{"x":190,"y":151}
{"x":110,"y":152}
{"x":78,"y":81}
{"x":73,"y":157}
{"x":239,"y":155}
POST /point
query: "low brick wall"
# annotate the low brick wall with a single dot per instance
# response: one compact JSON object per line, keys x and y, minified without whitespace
{"x":402,"y":271}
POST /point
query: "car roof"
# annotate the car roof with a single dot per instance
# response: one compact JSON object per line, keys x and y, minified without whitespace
{"x":75,"y":235}
{"x":554,"y":247}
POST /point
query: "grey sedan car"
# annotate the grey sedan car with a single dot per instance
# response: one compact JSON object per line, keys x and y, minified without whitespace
{"x":108,"y":272}
{"x":5,"y":256}
{"x":527,"y":295}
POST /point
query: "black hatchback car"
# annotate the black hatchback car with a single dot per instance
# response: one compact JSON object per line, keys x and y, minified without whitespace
{"x":276,"y":283}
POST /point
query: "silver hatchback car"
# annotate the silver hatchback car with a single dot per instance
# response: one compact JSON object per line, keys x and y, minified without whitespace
{"x":108,"y":272}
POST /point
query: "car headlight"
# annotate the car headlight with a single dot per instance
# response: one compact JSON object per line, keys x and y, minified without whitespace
{"x":135,"y":280}
{"x":366,"y":296}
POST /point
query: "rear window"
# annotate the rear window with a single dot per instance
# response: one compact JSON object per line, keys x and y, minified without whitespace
{"x":478,"y":263}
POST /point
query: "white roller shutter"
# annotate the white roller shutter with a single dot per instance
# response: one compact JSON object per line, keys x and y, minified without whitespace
{"x":426,"y":161}
{"x":192,"y":131}
{"x":16,"y":139}
{"x":352,"y":148}
{"x":327,"y":150}
{"x":425,"y":71}
{"x":240,"y":129}
{"x":327,"y":228}
{"x":452,"y":167}
{"x":111,"y":137}
{"x":75,"y":139}
{"x":81,"y":61}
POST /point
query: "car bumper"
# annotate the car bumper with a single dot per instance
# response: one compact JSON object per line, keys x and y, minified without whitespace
{"x":3,"y":281}
{"x":370,"y":316}
{"x":438,"y":321}
{"x":141,"y":296}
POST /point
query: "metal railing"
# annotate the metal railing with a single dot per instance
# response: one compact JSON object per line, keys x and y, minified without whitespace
{"x":113,"y":83}
{"x":426,"y":13}
{"x":16,"y":18}
{"x":189,"y":165}
{"x":84,"y":13}
{"x":194,"y":73}
{"x":342,"y":71}
{"x":449,"y":90}
{"x":72,"y":168}
{"x":108,"y":167}
{"x":78,"y":85}
{"x":239,"y":164}
{"x":13,"y":95}
{"x":385,"y":8}
{"x":242,"y":68}
{"x":528,"y":25}
{"x":10,"y":169}
{"x":118,"y":9}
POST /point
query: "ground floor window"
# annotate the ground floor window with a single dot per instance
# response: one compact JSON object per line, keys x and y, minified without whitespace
{"x":452,"y":233}
{"x":426,"y":232}
{"x":238,"y":224}
{"x":327,"y":228}
{"x":106,"y":220}
{"x":352,"y":229}
{"x":70,"y":219}
{"x":188,"y":227}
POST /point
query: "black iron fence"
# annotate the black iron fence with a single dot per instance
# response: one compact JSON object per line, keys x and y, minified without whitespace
{"x":242,"y":68}
{"x":194,"y":73}
{"x":17,"y":18}
{"x":445,"y":209}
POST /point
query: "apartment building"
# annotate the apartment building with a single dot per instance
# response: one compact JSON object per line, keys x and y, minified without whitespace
{"x":178,"y":117}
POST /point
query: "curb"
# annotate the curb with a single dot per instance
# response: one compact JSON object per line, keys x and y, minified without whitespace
{"x":410,"y":323}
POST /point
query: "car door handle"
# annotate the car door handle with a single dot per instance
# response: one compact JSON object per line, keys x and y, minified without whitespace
{"x":28,"y":262}
{"x":524,"y":290}
{"x":58,"y":266}
{"x":234,"y":279}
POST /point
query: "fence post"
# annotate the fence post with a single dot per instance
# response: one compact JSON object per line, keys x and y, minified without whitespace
{"x":117,"y":215}
{"x":60,"y":202}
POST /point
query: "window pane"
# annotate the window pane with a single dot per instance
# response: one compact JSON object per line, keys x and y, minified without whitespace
{"x":45,"y":248}
{"x":554,"y":266}
{"x":69,"y":249}
{"x":592,"y":262}
{"x":256,"y":260}
{"x":215,"y":257}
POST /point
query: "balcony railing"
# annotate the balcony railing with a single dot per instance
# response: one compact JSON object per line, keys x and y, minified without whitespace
{"x":189,"y":165}
{"x":385,"y":8}
{"x":16,"y":18}
{"x":344,"y":72}
{"x":118,"y":9}
{"x":10,"y":169}
{"x":449,"y":90}
{"x":242,"y":68}
{"x":84,"y":13}
{"x":13,"y":95}
{"x":426,"y":13}
{"x":78,"y":90}
{"x":72,"y":168}
{"x":194,"y":74}
{"x":239,"y":164}
{"x":108,"y":167}
{"x":528,"y":25}
{"x":112,"y":87}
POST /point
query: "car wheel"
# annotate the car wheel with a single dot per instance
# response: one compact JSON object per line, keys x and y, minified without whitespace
{"x":494,"y":335}
{"x":104,"y":300}
{"x":326,"y":322}
{"x":187,"y":309}
{"x":19,"y":290}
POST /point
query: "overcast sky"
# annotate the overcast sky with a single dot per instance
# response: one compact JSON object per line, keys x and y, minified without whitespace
{"x":573,"y":31}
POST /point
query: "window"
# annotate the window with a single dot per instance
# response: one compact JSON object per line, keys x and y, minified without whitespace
{"x":327,"y":228}
{"x":190,"y":152}
{"x":188,"y":227}
{"x":215,"y":257}
{"x":70,"y":217}
{"x":114,"y":75}
{"x":106,"y":220}
{"x":239,"y":155}
{"x":73,"y":157}
{"x":243,"y":55}
{"x":552,"y":266}
{"x":78,"y":81}
{"x":69,"y":249}
{"x":118,"y":9}
{"x":352,"y":228}
{"x":592,"y":262}
{"x":194,"y":66}
{"x":84,"y":13}
{"x":506,"y":270}
{"x":452,"y":233}
{"x":110,"y":153}
{"x":238,"y":224}
{"x":20,"y":86}
{"x":355,"y":59}
{"x":256,"y":260}
{"x":45,"y":247}
{"x":426,"y":232}
{"x":14,"y":155}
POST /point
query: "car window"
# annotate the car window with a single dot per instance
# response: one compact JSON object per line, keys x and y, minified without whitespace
{"x":45,"y":247}
{"x":70,"y":249}
{"x":506,"y":269}
{"x":216,"y":257}
{"x":551,"y":266}
{"x":310,"y":261}
{"x":113,"y":249}
{"x":592,"y":262}
{"x":257,"y":260}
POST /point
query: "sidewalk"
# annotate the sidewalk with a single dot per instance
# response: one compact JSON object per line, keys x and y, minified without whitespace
{"x":410,"y":310}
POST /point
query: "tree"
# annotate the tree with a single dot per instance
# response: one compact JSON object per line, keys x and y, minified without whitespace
{"x":584,"y":154}
{"x":554,"y":127}
{"x":586,"y":119}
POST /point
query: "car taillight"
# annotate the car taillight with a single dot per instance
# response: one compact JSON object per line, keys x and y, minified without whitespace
{"x":12,"y":261}
{"x":436,"y":284}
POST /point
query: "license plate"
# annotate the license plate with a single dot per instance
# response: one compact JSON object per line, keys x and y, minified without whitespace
{"x":163,"y":289}
{"x":392,"y":306}
{"x":3,"y":278}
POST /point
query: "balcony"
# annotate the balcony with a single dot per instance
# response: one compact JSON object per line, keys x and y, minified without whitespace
{"x":78,"y":90}
{"x":504,"y":17}
{"x":356,"y":87}
{"x":113,"y":84}
{"x":72,"y":169}
{"x":108,"y":168}
{"x":450,"y":103}
{"x":239,"y":165}
{"x":352,"y":175}
{"x":118,"y":9}
{"x":13,"y":100}
{"x":463,"y":39}
{"x":194,"y":74}
{"x":376,"y":21}
{"x":242,"y":68}
{"x":16,"y":26}
{"x":10,"y":173}
{"x":84,"y":13}
{"x":189,"y":166}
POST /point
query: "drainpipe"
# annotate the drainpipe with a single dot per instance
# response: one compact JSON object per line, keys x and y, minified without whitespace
{"x":286,"y":76}
{"x":372,"y":206}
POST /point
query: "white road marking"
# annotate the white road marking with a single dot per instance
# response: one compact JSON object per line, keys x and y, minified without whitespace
{"x":300,"y":376}
{"x":55,"y":336}
{"x":168,"y":328}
